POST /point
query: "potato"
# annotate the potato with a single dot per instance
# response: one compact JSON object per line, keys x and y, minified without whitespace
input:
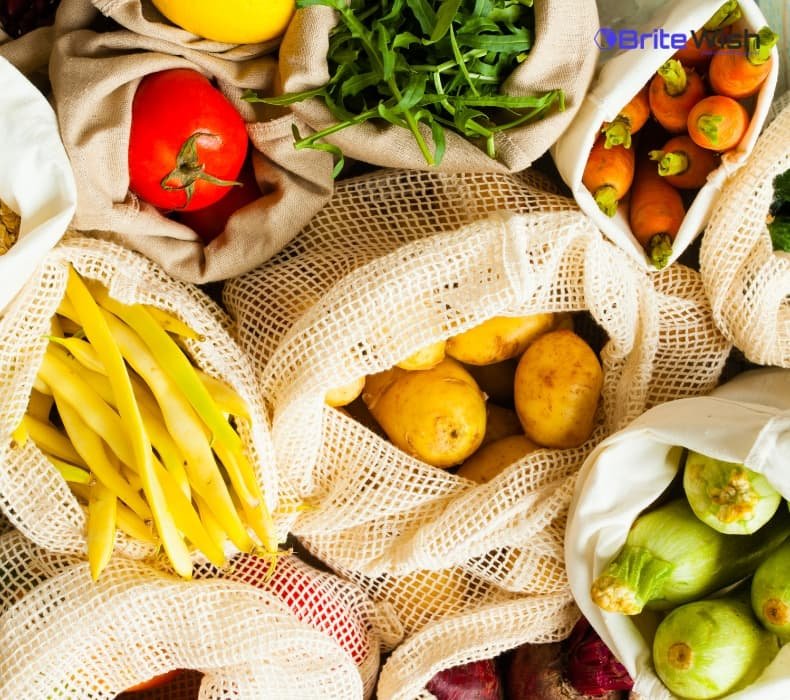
{"x":437,"y":415}
{"x":496,"y":380}
{"x":343,"y":395}
{"x":424,"y":358}
{"x":499,"y":338}
{"x":500,"y":423}
{"x":557,"y":388}
{"x":492,"y":459}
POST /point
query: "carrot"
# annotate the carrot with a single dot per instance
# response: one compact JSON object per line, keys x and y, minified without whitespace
{"x":718,"y":123}
{"x":684,"y":164}
{"x":737,"y":73}
{"x":630,"y":119}
{"x":673,"y":92}
{"x":608,"y":174}
{"x":693,"y":56}
{"x":655,"y":213}
{"x":727,"y":14}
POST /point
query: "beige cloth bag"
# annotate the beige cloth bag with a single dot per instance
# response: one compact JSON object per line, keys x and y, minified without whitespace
{"x":33,"y":495}
{"x":747,"y":281}
{"x":562,"y":57}
{"x":94,"y":78}
{"x":29,"y":53}
{"x":64,"y":635}
{"x":398,"y":260}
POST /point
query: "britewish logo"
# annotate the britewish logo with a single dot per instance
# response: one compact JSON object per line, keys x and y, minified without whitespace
{"x":608,"y":39}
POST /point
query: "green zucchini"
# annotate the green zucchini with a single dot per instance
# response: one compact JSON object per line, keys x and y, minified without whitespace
{"x":771,"y":592}
{"x":671,"y":557}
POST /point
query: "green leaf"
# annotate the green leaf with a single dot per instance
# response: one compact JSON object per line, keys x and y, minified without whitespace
{"x":520,"y":41}
{"x":424,"y":14}
{"x":444,"y":19}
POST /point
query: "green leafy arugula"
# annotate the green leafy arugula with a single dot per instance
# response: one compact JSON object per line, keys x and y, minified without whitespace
{"x":434,"y":62}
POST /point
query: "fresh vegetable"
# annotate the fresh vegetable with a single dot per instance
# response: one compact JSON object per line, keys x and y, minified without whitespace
{"x":709,"y":648}
{"x":729,"y":13}
{"x":728,"y":497}
{"x":495,"y":457}
{"x":718,"y":123}
{"x":608,"y":175}
{"x":187,"y":143}
{"x":695,"y":54}
{"x":425,"y":358}
{"x":557,"y":387}
{"x":500,"y":423}
{"x":155,"y":682}
{"x":629,"y":120}
{"x":437,"y":64}
{"x":770,"y":592}
{"x":231,"y":21}
{"x":779,"y":213}
{"x":497,"y":339}
{"x":671,"y":557}
{"x":476,"y":679}
{"x":9,"y":227}
{"x":496,"y":380}
{"x":673,"y":91}
{"x":18,"y":17}
{"x":655,"y":213}
{"x":344,"y":395}
{"x":740,"y":74}
{"x":684,"y":164}
{"x":437,"y":415}
{"x":592,"y":669}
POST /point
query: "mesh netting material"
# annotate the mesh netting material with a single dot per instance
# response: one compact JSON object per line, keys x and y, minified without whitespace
{"x":63,"y":635}
{"x":399,"y":260}
{"x":33,"y":495}
{"x":747,"y":281}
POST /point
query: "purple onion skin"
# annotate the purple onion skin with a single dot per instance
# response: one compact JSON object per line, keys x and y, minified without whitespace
{"x":477,"y":680}
{"x":591,"y":668}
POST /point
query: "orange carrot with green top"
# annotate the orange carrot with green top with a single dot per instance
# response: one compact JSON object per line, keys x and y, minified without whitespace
{"x":655,"y":213}
{"x":629,"y":120}
{"x":693,"y":56}
{"x":718,"y":123}
{"x":738,"y":73}
{"x":674,"y":90}
{"x":608,"y":174}
{"x":684,"y":164}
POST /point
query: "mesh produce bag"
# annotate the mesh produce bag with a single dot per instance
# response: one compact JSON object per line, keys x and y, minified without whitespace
{"x":747,"y":281}
{"x":33,"y":495}
{"x":64,"y":635}
{"x":397,"y":261}
{"x":95,"y":75}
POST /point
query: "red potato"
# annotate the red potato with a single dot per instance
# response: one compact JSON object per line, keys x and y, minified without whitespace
{"x":674,"y":90}
{"x":718,"y":123}
{"x":684,"y":164}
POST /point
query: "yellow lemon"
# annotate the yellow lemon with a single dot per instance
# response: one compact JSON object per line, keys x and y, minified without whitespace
{"x":230,"y":21}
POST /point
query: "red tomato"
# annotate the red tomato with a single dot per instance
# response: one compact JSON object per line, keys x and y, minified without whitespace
{"x":187,"y":142}
{"x":210,"y":221}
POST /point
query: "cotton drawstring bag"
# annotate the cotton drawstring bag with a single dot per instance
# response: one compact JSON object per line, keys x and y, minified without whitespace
{"x":64,"y":635}
{"x":745,"y":421}
{"x":33,"y":495}
{"x":95,"y":75}
{"x":401,"y":259}
{"x":748,"y":282}
{"x":561,"y":58}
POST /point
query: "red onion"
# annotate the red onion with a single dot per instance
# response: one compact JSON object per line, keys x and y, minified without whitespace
{"x":477,"y":680}
{"x":591,"y":668}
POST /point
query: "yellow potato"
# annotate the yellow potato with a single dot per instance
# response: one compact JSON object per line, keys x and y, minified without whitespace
{"x":493,"y":458}
{"x":343,"y":395}
{"x":500,"y":423}
{"x":496,"y":380}
{"x":557,"y":388}
{"x":437,"y":415}
{"x":499,"y":338}
{"x":424,"y":358}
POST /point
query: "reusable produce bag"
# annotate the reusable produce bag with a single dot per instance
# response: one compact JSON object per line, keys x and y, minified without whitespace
{"x":620,"y":78}
{"x":33,"y":495}
{"x":35,"y":178}
{"x":401,"y":259}
{"x":30,"y":52}
{"x":560,"y":59}
{"x":748,"y":282}
{"x":746,"y":421}
{"x":66,"y":635}
{"x":94,"y":78}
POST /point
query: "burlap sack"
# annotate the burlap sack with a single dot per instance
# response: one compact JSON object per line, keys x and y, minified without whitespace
{"x":94,"y":79}
{"x":30,"y":52}
{"x":33,"y":495}
{"x":747,"y":281}
{"x":745,"y":421}
{"x":562,"y":57}
{"x":398,"y":260}
{"x":63,"y":635}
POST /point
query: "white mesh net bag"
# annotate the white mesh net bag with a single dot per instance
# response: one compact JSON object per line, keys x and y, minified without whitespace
{"x":33,"y":495}
{"x":399,"y":260}
{"x":64,"y":635}
{"x":747,"y":281}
